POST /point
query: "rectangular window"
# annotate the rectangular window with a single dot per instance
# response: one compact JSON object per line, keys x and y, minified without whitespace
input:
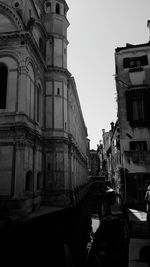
{"x":138,"y":107}
{"x":134,"y":62}
{"x":58,"y":91}
{"x":138,"y":145}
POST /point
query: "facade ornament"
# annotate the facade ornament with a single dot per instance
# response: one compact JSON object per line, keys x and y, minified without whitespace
{"x":6,"y":9}
{"x":17,"y":4}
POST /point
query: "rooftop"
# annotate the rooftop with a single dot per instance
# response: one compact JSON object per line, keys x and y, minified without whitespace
{"x":118,"y":49}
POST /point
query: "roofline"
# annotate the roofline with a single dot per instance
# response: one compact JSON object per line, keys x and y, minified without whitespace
{"x":72,"y":81}
{"x":128,"y":46}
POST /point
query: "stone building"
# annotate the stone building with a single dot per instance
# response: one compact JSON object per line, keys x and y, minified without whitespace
{"x":106,"y":163}
{"x":100,"y":156}
{"x":133,"y":93}
{"x":111,"y":156}
{"x":94,"y":163}
{"x":43,"y":137}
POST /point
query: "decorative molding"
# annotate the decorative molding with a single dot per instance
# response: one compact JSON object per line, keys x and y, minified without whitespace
{"x":12,"y":14}
{"x":60,"y":70}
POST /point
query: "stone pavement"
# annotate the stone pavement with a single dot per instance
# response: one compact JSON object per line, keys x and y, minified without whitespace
{"x":139,"y":247}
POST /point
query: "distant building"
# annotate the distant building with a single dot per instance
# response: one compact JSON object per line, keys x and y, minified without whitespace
{"x":43,"y":137}
{"x":100,"y":159}
{"x":133,"y":94}
{"x":107,"y":167}
{"x":94,"y":163}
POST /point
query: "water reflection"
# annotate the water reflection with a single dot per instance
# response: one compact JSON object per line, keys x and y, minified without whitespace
{"x":95,"y":222}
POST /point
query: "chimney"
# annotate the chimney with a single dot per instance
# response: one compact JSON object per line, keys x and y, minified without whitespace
{"x":148,"y":26}
{"x":103,"y":131}
{"x":112,"y":125}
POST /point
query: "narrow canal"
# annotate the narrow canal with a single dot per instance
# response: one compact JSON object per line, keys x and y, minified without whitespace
{"x":58,"y":239}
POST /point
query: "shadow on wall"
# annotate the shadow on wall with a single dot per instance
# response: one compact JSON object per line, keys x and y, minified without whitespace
{"x":144,"y":254}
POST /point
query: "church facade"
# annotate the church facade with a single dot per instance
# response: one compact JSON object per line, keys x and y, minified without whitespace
{"x":43,"y":137}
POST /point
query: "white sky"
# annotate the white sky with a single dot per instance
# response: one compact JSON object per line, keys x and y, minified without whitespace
{"x":96,"y":28}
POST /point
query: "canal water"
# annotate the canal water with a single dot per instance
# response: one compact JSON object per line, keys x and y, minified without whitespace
{"x":81,"y":227}
{"x":58,"y":239}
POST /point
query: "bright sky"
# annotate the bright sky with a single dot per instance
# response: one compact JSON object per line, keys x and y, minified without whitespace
{"x":96,"y":28}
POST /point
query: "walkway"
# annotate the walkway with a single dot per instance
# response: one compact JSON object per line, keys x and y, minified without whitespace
{"x":139,"y":248}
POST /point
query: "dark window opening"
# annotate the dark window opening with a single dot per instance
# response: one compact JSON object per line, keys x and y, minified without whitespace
{"x":135,"y":62}
{"x":138,"y":108}
{"x":3,"y":86}
{"x":58,"y":91}
{"x":116,"y":67}
{"x":16,"y":4}
{"x":41,"y":44}
{"x":57,"y":8}
{"x":29,"y":181}
{"x":118,"y":143}
{"x":48,"y":5}
{"x":48,"y":166}
{"x":138,"y":145}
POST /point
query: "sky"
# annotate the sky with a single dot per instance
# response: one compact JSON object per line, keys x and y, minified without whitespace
{"x":96,"y":29}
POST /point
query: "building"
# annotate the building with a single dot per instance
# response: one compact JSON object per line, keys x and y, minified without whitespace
{"x":94,"y":163}
{"x":43,"y":137}
{"x":100,"y":158}
{"x":106,"y":163}
{"x":133,"y":94}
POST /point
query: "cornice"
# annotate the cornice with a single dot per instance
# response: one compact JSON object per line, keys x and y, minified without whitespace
{"x":73,"y":144}
{"x":73,"y":86}
{"x":55,"y":140}
{"x":20,"y":132}
{"x":25,"y":36}
{"x":56,"y":35}
{"x":60,"y":70}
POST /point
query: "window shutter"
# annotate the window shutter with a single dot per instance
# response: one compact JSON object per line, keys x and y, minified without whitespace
{"x":147,"y":104}
{"x":144,"y":60}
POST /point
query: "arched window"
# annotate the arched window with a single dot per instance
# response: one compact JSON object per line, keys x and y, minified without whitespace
{"x":39,"y":181}
{"x":3,"y":86}
{"x":57,"y":8}
{"x":30,"y":92}
{"x":48,"y":7}
{"x":29,"y":181}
